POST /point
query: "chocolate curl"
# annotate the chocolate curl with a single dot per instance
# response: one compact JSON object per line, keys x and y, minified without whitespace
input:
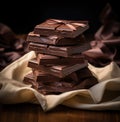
{"x":108,"y":31}
{"x":106,"y":50}
{"x":110,"y":25}
{"x":98,"y":53}
{"x":106,"y":13}
{"x":113,"y":41}
{"x":101,"y":54}
{"x":70,"y":25}
{"x":103,"y":33}
{"x":106,"y":45}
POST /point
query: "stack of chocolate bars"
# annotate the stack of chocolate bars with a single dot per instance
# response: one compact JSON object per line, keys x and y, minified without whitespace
{"x":59,"y":65}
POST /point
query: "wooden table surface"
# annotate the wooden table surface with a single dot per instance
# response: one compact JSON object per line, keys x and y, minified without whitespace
{"x":27,"y":112}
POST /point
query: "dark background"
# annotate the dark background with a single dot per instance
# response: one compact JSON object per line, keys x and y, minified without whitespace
{"x":22,"y":16}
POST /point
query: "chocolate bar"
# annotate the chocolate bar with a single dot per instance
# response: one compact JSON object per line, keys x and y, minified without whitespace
{"x":63,"y":51}
{"x":65,"y":28}
{"x":54,"y":39}
{"x":57,"y":70}
{"x":55,"y":60}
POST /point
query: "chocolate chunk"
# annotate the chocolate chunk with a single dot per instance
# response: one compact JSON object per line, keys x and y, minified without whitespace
{"x":83,"y":73}
{"x":63,"y":51}
{"x":65,"y":86}
{"x":54,"y":39}
{"x":55,"y":60}
{"x":30,"y":80}
{"x":65,"y":28}
{"x":57,"y":70}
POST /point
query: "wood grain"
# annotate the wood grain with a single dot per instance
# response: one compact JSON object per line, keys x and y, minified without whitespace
{"x":34,"y":113}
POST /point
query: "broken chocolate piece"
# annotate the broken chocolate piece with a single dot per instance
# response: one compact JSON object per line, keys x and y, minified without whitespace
{"x":65,"y":28}
{"x":30,"y":80}
{"x":57,"y":70}
{"x":55,"y":60}
{"x":54,"y":39}
{"x":40,"y":76}
{"x":63,"y":51}
{"x":62,"y":85}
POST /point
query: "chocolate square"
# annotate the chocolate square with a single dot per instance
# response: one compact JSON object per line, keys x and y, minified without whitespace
{"x":65,"y":28}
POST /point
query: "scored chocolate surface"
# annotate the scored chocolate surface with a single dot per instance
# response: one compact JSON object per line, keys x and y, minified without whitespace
{"x":63,"y":51}
{"x":65,"y":28}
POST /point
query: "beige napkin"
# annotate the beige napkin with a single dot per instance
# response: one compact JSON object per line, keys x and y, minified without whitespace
{"x":103,"y":96}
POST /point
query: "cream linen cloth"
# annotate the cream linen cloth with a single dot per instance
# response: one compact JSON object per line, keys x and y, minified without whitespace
{"x":103,"y":96}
